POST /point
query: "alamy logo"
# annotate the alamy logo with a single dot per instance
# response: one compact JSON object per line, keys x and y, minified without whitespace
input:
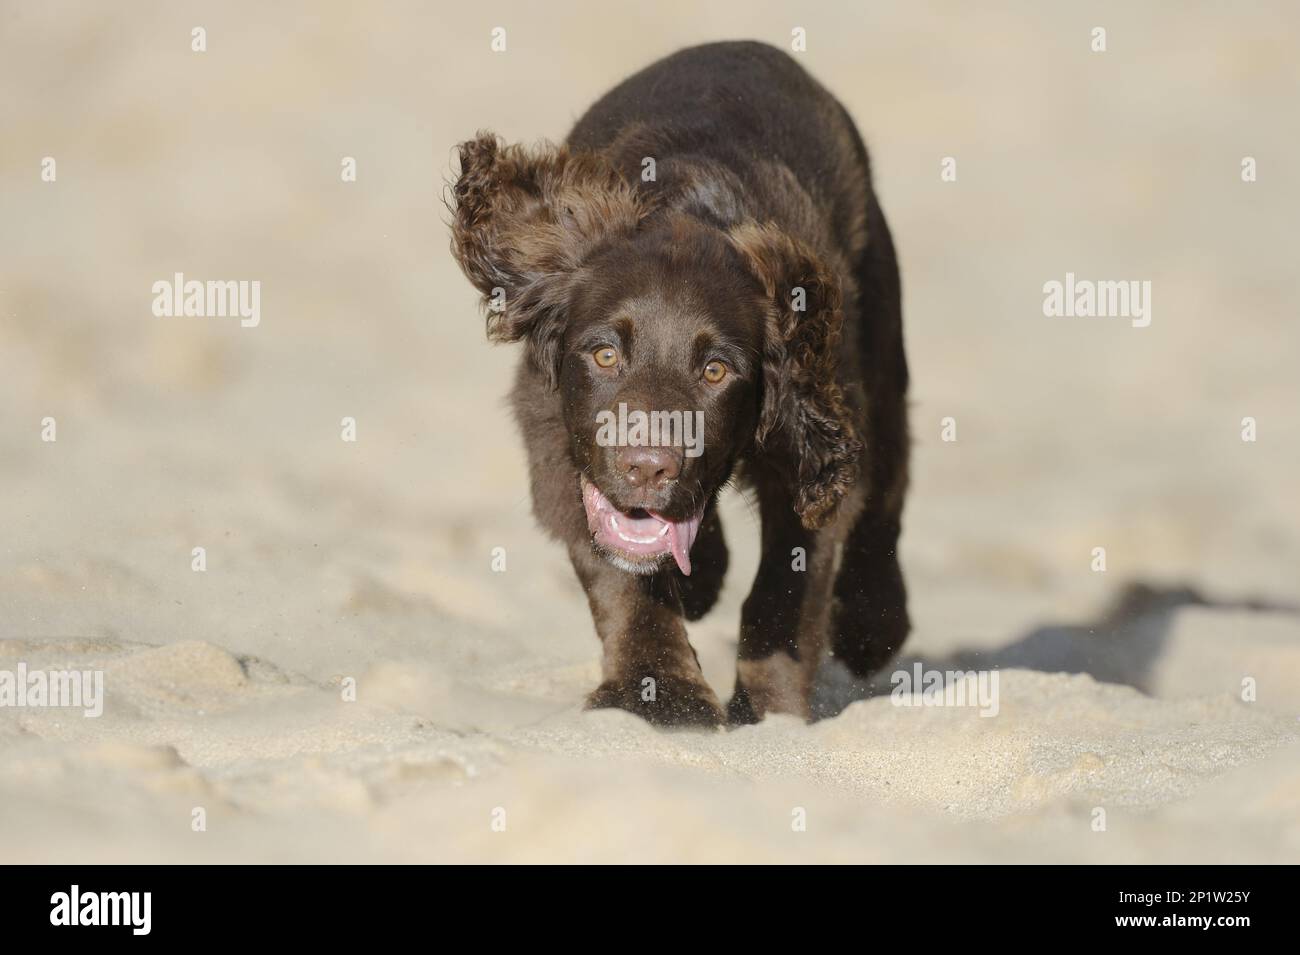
{"x":217,"y":299}
{"x":81,"y":689}
{"x":922,"y":687}
{"x":1084,"y":298}
{"x":651,"y":429}
{"x":103,"y":908}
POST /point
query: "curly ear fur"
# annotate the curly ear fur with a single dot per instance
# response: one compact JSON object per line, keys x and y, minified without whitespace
{"x":801,"y":397}
{"x":523,"y":221}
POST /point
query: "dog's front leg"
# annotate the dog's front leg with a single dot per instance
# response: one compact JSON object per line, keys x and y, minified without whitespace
{"x":648,"y":665}
{"x":783,"y":621}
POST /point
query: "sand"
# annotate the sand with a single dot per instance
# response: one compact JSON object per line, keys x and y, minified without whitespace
{"x":1146,"y":713}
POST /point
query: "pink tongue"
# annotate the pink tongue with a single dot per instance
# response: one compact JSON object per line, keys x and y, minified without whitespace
{"x":680,"y":554}
{"x":681,"y":535}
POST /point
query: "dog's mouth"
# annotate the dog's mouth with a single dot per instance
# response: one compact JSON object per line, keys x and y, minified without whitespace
{"x":638,"y":533}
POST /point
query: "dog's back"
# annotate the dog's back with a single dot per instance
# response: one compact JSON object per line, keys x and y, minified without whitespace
{"x":750,"y":108}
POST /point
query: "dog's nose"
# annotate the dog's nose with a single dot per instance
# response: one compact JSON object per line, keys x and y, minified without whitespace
{"x":648,"y":467}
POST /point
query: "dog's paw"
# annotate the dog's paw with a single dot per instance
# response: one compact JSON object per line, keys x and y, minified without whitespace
{"x":740,"y":709}
{"x":667,"y":701}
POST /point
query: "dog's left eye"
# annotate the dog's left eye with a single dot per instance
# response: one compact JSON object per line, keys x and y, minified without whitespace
{"x":714,"y":372}
{"x":605,"y":357}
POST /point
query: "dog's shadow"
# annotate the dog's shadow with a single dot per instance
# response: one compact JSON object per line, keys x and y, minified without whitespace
{"x":1120,"y":647}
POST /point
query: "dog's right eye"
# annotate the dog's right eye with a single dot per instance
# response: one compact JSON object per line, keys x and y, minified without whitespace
{"x":605,"y":357}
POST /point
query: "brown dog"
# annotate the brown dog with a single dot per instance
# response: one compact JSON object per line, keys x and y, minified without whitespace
{"x":707,"y":292}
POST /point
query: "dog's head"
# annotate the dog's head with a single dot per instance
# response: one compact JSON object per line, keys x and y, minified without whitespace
{"x":677,"y":347}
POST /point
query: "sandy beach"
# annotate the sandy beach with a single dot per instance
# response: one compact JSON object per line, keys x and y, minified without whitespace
{"x":350,"y":678}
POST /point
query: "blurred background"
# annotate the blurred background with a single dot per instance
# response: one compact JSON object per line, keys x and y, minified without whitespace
{"x":329,"y":560}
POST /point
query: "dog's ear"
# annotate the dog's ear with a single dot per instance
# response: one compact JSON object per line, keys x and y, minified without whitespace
{"x":802,"y":403}
{"x":523,"y":220}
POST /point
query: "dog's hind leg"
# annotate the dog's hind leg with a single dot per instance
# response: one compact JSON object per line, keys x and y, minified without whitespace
{"x":871,"y":621}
